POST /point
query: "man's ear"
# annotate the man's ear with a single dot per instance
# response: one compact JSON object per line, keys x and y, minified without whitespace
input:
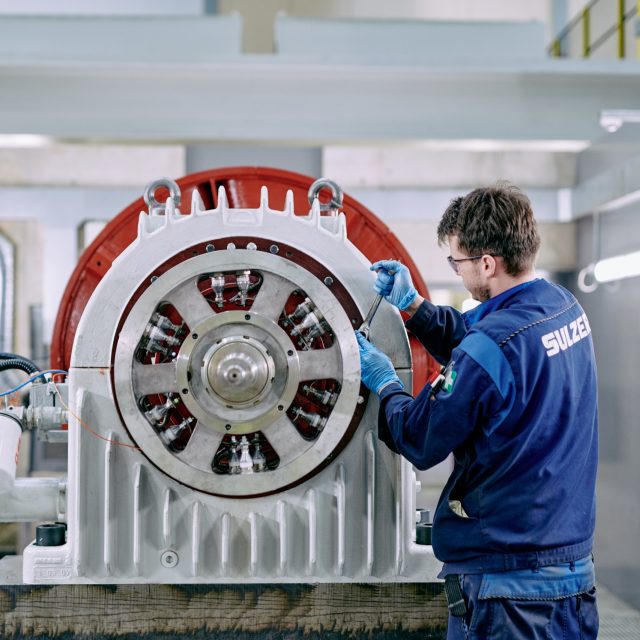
{"x":489,"y":265}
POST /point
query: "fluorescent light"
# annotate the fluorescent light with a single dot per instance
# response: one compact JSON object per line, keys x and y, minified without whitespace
{"x":618,"y":267}
{"x":23,"y":140}
{"x":479,"y":144}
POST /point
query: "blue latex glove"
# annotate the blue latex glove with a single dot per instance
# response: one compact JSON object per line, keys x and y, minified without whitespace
{"x":394,"y":283}
{"x":376,"y":368}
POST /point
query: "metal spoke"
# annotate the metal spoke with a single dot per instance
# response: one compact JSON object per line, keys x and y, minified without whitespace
{"x":286,"y":440}
{"x":272,"y":296}
{"x":201,"y":448}
{"x":317,"y":364}
{"x":190,"y":303}
{"x":149,"y":379}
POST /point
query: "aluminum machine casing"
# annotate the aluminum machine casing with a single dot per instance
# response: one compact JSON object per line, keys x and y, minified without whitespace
{"x":218,"y":428}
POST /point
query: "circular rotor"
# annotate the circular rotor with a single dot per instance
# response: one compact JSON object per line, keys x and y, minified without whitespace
{"x":232,"y":357}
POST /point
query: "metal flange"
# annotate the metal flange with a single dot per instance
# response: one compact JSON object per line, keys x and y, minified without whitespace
{"x":276,"y":362}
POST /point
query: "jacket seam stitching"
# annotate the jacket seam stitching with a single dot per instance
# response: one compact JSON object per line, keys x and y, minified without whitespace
{"x":535,"y":323}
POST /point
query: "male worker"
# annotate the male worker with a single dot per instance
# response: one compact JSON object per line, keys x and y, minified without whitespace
{"x":516,"y":404}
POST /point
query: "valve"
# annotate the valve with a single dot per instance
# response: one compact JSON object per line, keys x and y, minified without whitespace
{"x":217,"y":284}
{"x":157,"y":415}
{"x":162,"y":322}
{"x":234,"y":458}
{"x":246,"y":461}
{"x":303,"y":309}
{"x":172,"y":433}
{"x":259,"y":460}
{"x":154,"y":337}
{"x":314,"y":420}
{"x":243,"y":282}
{"x":313,"y":323}
{"x":325,"y":397}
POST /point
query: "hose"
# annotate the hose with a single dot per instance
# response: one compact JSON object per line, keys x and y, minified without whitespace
{"x":14,"y":361}
{"x":17,"y":364}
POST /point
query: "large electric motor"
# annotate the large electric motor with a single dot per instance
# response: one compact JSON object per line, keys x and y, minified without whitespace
{"x":218,"y":427}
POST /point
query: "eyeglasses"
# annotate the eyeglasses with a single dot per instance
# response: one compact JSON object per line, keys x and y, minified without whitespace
{"x":453,"y":262}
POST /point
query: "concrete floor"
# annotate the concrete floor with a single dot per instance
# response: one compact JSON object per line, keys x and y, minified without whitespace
{"x":618,"y":621}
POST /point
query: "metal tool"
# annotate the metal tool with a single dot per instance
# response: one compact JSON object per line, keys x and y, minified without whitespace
{"x":366,"y":325}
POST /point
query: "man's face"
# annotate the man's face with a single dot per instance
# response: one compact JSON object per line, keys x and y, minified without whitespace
{"x":473,"y":273}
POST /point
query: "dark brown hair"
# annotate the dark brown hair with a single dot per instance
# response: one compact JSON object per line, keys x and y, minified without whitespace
{"x":496,"y":220}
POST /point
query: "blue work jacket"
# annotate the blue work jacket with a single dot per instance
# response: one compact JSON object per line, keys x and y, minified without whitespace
{"x":517,"y":406}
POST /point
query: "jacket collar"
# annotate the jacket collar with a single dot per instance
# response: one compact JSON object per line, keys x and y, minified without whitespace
{"x":492,"y":304}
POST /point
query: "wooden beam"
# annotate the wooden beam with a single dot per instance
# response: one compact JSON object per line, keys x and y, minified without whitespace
{"x":383,"y":610}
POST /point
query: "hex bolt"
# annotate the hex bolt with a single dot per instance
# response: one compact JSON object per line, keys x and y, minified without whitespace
{"x":169,"y":559}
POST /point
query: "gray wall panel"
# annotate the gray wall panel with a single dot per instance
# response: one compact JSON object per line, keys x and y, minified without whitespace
{"x":306,"y":160}
{"x":613,"y":313}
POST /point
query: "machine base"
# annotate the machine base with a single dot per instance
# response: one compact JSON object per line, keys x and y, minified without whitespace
{"x":245,"y":611}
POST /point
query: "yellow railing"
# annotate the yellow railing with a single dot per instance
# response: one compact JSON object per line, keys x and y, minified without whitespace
{"x":601,"y":29}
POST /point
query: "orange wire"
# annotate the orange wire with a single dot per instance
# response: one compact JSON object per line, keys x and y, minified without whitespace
{"x":84,"y":424}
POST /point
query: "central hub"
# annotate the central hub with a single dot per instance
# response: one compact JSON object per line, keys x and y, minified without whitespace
{"x":239,"y":370}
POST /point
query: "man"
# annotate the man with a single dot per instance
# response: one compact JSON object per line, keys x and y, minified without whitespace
{"x":516,"y":404}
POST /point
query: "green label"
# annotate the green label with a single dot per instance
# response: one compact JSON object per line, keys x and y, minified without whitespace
{"x":449,"y":379}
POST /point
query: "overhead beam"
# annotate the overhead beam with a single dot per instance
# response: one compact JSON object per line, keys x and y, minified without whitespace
{"x":119,"y":39}
{"x":429,"y":165}
{"x":609,"y":190}
{"x":86,"y":165}
{"x":270,"y":100}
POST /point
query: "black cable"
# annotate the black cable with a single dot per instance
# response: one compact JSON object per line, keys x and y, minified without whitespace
{"x":33,"y":367}
{"x":16,"y":363}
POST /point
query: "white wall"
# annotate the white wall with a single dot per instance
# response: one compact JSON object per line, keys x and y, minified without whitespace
{"x":259,"y":16}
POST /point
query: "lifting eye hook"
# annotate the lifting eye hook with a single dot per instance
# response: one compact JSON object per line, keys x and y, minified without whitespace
{"x":337,"y":195}
{"x":156,"y":207}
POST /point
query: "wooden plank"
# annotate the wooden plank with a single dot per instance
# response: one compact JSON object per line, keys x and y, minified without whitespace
{"x":399,"y":610}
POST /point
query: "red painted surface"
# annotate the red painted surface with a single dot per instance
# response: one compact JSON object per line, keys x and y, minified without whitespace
{"x":242,"y":184}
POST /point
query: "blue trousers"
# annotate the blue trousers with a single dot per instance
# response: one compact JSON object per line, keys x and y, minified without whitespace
{"x":573,"y":617}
